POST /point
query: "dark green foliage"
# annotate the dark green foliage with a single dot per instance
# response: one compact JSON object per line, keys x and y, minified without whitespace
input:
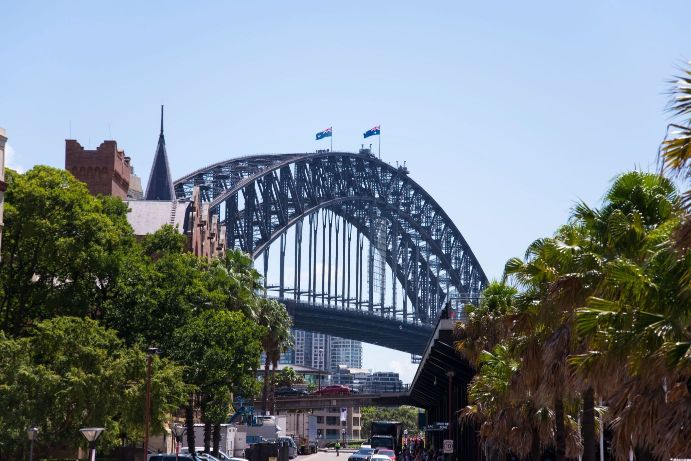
{"x":406,"y":415}
{"x":80,"y":301}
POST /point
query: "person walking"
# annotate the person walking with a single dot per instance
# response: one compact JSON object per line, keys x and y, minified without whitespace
{"x":338,"y":447}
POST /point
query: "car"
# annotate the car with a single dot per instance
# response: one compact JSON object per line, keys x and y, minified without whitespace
{"x":363,"y":454}
{"x":289,"y":391}
{"x":207,"y":457}
{"x":390,"y":453}
{"x":380,"y":457}
{"x":336,"y":389}
{"x":174,"y":457}
{"x":292,"y":447}
{"x":221,"y":456}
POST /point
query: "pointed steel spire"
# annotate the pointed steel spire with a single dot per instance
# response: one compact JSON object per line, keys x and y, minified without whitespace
{"x":160,"y":186}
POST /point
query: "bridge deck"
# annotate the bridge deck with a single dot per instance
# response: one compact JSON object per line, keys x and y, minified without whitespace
{"x":312,"y":402}
{"x":359,"y":325}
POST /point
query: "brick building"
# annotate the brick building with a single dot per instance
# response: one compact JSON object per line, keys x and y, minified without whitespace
{"x":105,"y":171}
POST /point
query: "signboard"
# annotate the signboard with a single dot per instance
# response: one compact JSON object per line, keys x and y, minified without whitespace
{"x":312,"y":428}
{"x":448,"y":447}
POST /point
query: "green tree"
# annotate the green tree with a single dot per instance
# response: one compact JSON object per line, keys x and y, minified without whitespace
{"x":220,"y":353}
{"x":405,"y":414}
{"x":276,"y":339}
{"x":62,"y":248}
{"x":70,"y":373}
{"x":288,"y":377}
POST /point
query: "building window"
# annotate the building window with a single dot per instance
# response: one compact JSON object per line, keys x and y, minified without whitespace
{"x":320,"y":420}
{"x":356,"y":420}
{"x":332,"y":434}
{"x":356,"y":434}
{"x":332,"y":421}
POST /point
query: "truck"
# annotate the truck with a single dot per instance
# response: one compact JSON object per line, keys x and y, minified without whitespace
{"x":387,"y":434}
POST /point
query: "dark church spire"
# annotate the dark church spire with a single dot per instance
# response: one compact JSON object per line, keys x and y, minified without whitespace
{"x":160,"y":186}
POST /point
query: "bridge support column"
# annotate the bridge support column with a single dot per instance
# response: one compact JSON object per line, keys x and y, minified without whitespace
{"x":282,"y":250}
{"x":298,"y":258}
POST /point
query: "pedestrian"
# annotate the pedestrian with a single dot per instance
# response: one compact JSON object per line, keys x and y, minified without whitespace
{"x":338,"y":447}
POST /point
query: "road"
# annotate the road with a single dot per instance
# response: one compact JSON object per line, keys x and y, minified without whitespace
{"x":324,"y":456}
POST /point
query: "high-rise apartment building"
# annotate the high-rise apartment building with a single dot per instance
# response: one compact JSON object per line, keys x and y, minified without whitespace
{"x":324,"y":352}
{"x":344,"y":352}
{"x":310,"y":349}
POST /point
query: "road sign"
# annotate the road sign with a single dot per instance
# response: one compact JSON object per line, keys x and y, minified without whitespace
{"x":448,"y":446}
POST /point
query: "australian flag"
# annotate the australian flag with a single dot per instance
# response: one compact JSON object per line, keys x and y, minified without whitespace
{"x":374,"y":131}
{"x":324,"y":134}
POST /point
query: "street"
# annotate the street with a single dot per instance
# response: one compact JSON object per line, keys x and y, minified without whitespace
{"x":325,"y":456}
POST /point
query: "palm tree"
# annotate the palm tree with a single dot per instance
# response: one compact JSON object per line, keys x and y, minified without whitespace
{"x":637,"y":324}
{"x":675,"y":151}
{"x":273,"y":316}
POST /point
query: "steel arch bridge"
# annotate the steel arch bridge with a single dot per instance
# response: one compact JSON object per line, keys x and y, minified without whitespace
{"x":374,"y":216}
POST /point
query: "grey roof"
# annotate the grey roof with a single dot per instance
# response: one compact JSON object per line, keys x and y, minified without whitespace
{"x":148,"y":216}
{"x":160,"y":186}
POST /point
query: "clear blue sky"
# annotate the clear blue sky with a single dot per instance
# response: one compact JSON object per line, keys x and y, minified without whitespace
{"x":506,"y":112}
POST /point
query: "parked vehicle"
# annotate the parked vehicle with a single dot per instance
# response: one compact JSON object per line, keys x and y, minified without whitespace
{"x":221,"y":455}
{"x":386,"y":452}
{"x":289,"y":392}
{"x":292,"y":446}
{"x":363,"y":454}
{"x":336,"y":389}
{"x":380,"y":457}
{"x":174,"y":457}
{"x":387,"y":434}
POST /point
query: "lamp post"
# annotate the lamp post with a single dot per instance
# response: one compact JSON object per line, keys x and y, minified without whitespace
{"x":32,"y":433}
{"x":178,"y":432}
{"x":147,"y":415}
{"x":319,"y":365}
{"x":91,"y":434}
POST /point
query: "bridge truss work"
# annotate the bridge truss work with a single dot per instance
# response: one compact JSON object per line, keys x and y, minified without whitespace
{"x":351,"y":233}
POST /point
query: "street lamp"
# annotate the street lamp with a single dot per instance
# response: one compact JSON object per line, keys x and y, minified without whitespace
{"x":147,"y":416}
{"x":319,"y":362}
{"x":91,"y":434}
{"x":32,"y":433}
{"x":178,"y":432}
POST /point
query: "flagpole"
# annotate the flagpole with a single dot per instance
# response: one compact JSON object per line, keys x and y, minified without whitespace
{"x":331,"y":139}
{"x":379,"y":143}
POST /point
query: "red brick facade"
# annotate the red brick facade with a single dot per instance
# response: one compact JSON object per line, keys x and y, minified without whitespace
{"x":105,"y":170}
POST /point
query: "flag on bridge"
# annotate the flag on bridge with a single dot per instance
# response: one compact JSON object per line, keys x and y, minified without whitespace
{"x":374,"y":131}
{"x":324,"y":134}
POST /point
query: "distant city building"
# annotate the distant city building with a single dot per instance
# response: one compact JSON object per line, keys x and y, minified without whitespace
{"x":310,"y":349}
{"x":322,"y":351}
{"x":367,"y":382}
{"x":3,"y":186}
{"x":383,"y":381}
{"x":346,"y":352}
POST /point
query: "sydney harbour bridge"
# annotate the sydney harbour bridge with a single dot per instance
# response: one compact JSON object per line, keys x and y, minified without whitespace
{"x":363,"y":251}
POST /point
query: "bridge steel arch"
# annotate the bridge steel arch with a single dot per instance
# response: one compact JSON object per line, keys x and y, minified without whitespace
{"x":260,"y":197}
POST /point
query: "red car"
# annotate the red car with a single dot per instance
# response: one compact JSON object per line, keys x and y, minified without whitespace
{"x":333,"y":390}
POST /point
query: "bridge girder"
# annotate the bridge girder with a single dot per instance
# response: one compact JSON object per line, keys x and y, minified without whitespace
{"x":260,"y":197}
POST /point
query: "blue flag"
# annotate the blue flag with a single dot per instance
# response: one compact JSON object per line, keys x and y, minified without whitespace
{"x":324,"y":134}
{"x":374,"y":131}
